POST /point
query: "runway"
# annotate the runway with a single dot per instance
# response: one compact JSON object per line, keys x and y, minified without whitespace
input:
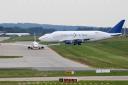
{"x":95,"y":78}
{"x":45,"y":59}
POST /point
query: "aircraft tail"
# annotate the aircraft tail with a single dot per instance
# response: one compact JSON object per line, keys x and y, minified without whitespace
{"x":117,"y":28}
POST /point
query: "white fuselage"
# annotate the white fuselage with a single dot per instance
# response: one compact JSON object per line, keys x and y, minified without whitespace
{"x":35,"y":44}
{"x":60,"y":36}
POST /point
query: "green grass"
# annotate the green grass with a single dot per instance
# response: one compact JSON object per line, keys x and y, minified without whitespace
{"x":21,"y":38}
{"x":59,"y":83}
{"x":25,"y":38}
{"x":28,"y":73}
{"x":10,"y":57}
{"x":5,"y":73}
{"x":111,"y":53}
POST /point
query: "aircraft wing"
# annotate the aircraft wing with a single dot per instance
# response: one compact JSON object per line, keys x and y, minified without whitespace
{"x":53,"y":44}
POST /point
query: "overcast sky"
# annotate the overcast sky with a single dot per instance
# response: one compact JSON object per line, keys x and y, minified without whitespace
{"x":67,"y":12}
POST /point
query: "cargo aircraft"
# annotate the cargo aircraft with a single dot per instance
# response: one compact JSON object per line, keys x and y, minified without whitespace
{"x":78,"y":37}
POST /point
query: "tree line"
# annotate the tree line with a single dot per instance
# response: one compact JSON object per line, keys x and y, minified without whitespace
{"x":43,"y":30}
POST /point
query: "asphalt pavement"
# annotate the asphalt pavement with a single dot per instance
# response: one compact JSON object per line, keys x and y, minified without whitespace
{"x":45,"y":59}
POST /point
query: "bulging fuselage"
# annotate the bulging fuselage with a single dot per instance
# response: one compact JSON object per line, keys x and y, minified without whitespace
{"x":61,"y":36}
{"x":77,"y":37}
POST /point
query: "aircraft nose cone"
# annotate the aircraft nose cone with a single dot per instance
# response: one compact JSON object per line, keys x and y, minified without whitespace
{"x":45,"y":38}
{"x":40,"y":38}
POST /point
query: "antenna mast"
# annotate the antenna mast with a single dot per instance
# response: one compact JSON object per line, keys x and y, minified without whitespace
{"x":34,"y":37}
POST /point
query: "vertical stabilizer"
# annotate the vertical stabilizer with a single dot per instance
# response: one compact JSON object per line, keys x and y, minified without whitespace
{"x":118,"y":27}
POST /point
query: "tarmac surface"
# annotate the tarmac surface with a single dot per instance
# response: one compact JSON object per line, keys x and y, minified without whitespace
{"x":95,"y":78}
{"x":45,"y":59}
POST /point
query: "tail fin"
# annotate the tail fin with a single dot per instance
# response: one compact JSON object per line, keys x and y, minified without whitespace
{"x":117,"y":28}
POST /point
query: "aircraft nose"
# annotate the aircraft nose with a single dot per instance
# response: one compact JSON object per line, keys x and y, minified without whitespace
{"x":40,"y":38}
{"x":43,"y":38}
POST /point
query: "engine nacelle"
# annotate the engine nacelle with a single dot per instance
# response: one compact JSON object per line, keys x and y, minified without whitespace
{"x":75,"y":42}
{"x":78,"y":42}
{"x":68,"y":42}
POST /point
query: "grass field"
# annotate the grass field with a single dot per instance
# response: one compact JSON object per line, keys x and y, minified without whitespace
{"x":110,"y":53}
{"x":59,"y":83}
{"x":10,"y":57}
{"x":4,"y":73}
{"x":21,"y":38}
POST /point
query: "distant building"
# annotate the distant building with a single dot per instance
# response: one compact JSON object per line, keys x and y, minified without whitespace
{"x":17,"y":34}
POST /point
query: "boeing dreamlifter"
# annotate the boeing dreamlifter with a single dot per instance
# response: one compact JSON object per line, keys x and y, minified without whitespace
{"x":78,"y":37}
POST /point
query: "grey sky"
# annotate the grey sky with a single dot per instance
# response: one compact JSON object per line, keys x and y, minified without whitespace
{"x":68,"y":12}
